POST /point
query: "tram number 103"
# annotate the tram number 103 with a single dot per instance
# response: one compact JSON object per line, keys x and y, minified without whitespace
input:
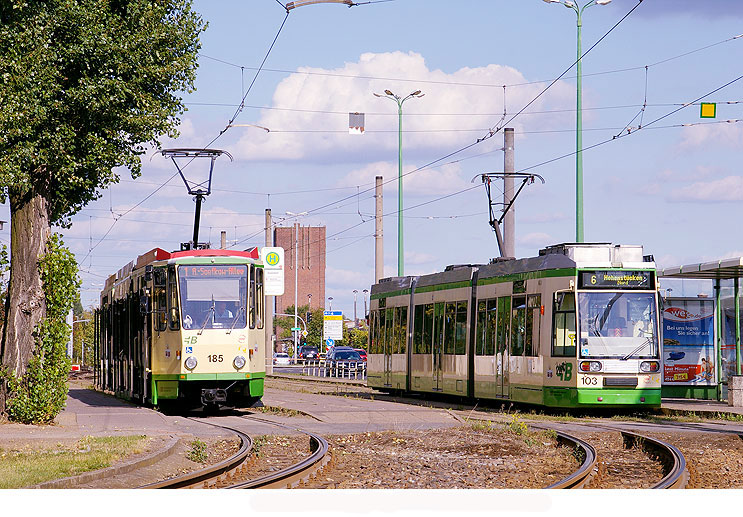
{"x":590,"y":381}
{"x":214,"y":358}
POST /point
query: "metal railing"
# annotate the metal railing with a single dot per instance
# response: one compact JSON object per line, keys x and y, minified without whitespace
{"x":322,"y":368}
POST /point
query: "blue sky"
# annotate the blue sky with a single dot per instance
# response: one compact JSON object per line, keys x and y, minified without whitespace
{"x":674,"y":185}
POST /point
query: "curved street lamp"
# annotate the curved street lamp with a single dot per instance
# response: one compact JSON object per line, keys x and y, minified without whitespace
{"x":399,"y":100}
{"x":579,"y":116}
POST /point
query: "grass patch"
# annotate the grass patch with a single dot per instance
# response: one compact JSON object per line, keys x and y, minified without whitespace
{"x":20,"y":469}
{"x":198,"y":452}
{"x":275,"y":410}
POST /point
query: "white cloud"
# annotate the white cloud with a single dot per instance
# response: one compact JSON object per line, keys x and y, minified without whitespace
{"x":414,"y":258}
{"x":433,"y":122}
{"x":705,"y":134}
{"x":725,"y":189}
{"x":538,"y":239}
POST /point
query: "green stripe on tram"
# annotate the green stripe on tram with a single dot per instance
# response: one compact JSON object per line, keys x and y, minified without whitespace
{"x":532,"y":275}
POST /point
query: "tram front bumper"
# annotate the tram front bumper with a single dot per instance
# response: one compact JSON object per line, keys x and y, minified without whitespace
{"x":619,"y":397}
{"x":213,"y":396}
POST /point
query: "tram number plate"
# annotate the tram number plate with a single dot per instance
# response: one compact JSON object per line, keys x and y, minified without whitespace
{"x":589,"y":381}
{"x":214,"y":358}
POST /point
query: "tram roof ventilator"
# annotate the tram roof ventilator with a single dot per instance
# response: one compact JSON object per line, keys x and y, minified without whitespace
{"x":602,"y":254}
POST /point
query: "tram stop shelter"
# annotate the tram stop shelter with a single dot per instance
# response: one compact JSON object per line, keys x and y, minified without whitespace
{"x":702,"y":336}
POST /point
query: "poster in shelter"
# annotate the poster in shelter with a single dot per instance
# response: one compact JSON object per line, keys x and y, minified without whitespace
{"x":688,"y":342}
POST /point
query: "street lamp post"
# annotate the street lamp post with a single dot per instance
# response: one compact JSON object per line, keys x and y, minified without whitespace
{"x":330,"y":303}
{"x":399,"y":100}
{"x":355,"y":319}
{"x":579,"y":114}
{"x":365,"y":313}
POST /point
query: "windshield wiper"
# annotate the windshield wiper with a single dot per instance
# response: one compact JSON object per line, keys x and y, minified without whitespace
{"x":209,"y":314}
{"x":633,"y":352}
{"x":242,"y":309}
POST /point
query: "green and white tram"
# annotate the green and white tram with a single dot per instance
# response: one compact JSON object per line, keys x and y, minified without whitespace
{"x":576,"y":326}
{"x":183,"y":329}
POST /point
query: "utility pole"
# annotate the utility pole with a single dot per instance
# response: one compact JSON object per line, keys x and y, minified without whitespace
{"x":509,"y":221}
{"x":223,"y":243}
{"x":378,"y":234}
{"x":269,"y":302}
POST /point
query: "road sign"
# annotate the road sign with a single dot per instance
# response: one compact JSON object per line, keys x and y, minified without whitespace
{"x":273,"y":270}
{"x":296,"y":329}
{"x":332,"y":327}
{"x":304,"y":333}
{"x":329,"y":342}
{"x":708,"y":110}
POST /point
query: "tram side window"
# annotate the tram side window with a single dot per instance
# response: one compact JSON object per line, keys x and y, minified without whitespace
{"x":450,"y":318}
{"x":518,"y":326}
{"x":491,"y":329}
{"x":460,"y":343}
{"x":160,"y":300}
{"x":428,"y":328}
{"x":482,"y":324}
{"x":563,"y":335}
{"x":259,"y":298}
{"x":403,"y":329}
{"x":533,"y":319}
{"x":381,"y":323}
{"x":504,"y":318}
{"x":251,"y":302}
{"x":418,"y":347}
{"x":175,"y":319}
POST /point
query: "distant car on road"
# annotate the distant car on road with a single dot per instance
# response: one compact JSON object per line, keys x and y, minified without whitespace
{"x":281,"y":358}
{"x":342,"y":359}
{"x":362,"y":353}
{"x":309,"y":352}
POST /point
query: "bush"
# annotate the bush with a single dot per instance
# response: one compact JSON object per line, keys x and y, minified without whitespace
{"x":41,"y":393}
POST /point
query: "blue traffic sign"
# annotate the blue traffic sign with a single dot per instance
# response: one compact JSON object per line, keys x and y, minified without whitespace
{"x":329,"y":342}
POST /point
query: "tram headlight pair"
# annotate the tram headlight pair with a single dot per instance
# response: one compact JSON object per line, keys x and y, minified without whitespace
{"x":238,"y":362}
{"x":191,"y":362}
{"x":590,"y":366}
{"x":650,"y":366}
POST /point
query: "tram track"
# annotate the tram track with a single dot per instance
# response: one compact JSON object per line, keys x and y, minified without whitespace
{"x":235,"y":471}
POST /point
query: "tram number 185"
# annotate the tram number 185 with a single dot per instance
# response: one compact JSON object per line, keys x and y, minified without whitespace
{"x":590,"y":381}
{"x":214,"y":358}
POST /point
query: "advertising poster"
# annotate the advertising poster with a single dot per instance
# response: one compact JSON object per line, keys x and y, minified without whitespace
{"x":688,"y":342}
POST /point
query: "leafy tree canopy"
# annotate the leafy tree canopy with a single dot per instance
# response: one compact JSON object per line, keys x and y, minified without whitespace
{"x":85,"y":86}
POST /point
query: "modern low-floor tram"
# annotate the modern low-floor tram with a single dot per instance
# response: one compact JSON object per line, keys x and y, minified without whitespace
{"x":183,"y":329}
{"x":576,"y":326}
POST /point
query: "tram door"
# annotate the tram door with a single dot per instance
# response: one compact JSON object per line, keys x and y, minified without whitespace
{"x":438,"y":346}
{"x":388,"y":343}
{"x":503,"y":333}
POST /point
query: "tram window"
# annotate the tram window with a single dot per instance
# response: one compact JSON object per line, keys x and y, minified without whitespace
{"x":395,"y":336}
{"x":504,"y":318}
{"x":533,"y":319}
{"x":161,"y":308}
{"x":381,"y":324}
{"x":372,"y":332}
{"x":490,"y":331}
{"x":175,"y":319}
{"x":259,"y":298}
{"x":450,"y":318}
{"x":480,"y":338}
{"x":251,"y":301}
{"x":418,"y":346}
{"x":518,"y":326}
{"x":403,"y":329}
{"x":428,"y":329}
{"x":563,"y":334}
{"x":460,"y":343}
{"x":389,"y":330}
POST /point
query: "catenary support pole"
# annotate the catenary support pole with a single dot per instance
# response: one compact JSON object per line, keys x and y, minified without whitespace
{"x":509,"y":222}
{"x":269,"y":303}
{"x":378,"y":234}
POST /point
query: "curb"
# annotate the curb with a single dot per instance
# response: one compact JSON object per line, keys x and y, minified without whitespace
{"x":86,"y":477}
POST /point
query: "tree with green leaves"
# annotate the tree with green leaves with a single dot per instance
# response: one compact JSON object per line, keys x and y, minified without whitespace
{"x":85,"y":87}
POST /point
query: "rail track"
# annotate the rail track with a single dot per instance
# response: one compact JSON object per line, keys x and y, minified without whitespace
{"x":235,"y":472}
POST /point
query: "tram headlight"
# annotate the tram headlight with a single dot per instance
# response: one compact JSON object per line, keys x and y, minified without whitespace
{"x":649,"y":366}
{"x":238,"y":362}
{"x":191,"y":362}
{"x":590,"y":366}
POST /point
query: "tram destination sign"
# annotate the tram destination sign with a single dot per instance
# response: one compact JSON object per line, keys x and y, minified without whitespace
{"x":614,"y":279}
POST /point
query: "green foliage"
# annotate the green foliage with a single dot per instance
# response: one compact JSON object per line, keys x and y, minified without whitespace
{"x":85,"y":85}
{"x":198,"y":452}
{"x":40,"y":394}
{"x":356,"y":338}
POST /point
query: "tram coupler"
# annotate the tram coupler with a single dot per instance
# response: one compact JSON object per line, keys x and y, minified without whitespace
{"x":213,"y":396}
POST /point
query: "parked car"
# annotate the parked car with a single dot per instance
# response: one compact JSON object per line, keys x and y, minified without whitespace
{"x":362,"y":353}
{"x":281,"y":358}
{"x":342,"y":359}
{"x":309,"y":352}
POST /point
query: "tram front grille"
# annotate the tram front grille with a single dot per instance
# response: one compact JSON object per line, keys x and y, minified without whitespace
{"x":620,"y":381}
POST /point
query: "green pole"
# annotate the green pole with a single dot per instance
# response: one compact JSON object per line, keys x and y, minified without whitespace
{"x":579,"y":140}
{"x":718,"y":334}
{"x":400,"y":261}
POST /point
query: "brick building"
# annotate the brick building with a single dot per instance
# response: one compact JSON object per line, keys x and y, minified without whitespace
{"x":310,"y":260}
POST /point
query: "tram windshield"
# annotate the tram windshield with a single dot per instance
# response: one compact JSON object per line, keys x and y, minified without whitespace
{"x":617,"y":325}
{"x":213,"y":296}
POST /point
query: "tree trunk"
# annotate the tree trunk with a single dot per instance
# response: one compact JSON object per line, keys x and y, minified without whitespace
{"x":29,"y":233}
